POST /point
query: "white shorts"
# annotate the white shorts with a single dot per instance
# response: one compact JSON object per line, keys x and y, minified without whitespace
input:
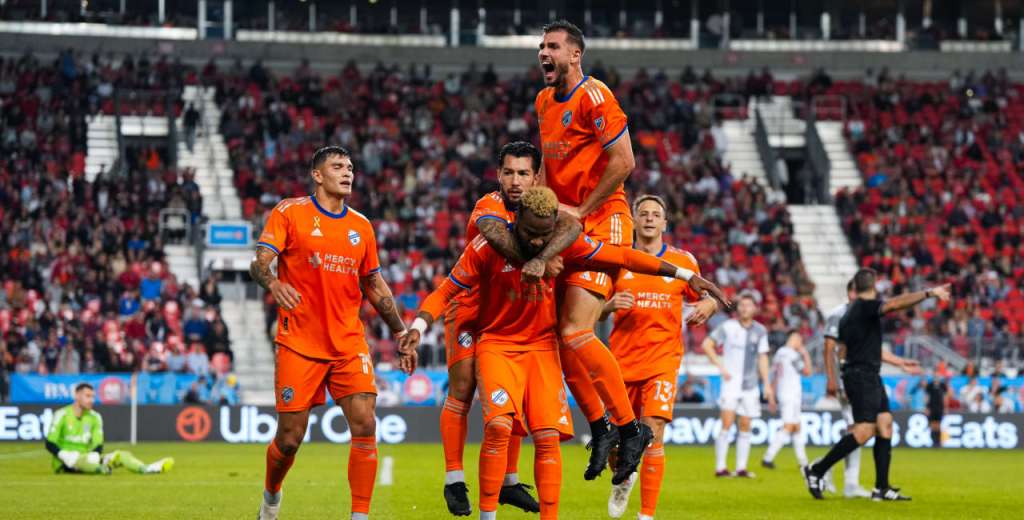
{"x":746,"y":403}
{"x":789,"y":411}
{"x":847,"y":413}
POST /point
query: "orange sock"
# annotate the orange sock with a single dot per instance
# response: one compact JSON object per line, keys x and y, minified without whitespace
{"x":362,"y":472}
{"x":493,"y":459}
{"x":278,"y":465}
{"x":651,"y":474}
{"x":580,"y":385}
{"x":515,"y":443}
{"x":547,"y":471}
{"x":604,"y":373}
{"x":454,"y":424}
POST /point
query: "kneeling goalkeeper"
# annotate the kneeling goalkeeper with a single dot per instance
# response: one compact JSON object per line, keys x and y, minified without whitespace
{"x":76,"y":441}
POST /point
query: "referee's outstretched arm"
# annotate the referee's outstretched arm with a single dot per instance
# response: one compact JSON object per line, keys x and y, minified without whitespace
{"x":908,"y":300}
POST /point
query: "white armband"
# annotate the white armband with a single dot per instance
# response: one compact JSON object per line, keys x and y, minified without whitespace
{"x":684,"y":274}
{"x":420,"y":325}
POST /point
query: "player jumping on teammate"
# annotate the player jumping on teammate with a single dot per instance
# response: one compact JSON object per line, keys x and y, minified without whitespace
{"x":647,"y":343}
{"x":326,"y":262}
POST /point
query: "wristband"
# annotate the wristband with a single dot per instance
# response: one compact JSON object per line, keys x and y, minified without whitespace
{"x":684,"y":274}
{"x":419,"y":325}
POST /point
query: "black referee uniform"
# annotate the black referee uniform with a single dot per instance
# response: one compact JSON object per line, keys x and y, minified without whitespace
{"x":860,"y":330}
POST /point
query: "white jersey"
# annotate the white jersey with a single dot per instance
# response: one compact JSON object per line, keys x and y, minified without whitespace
{"x":786,"y":368}
{"x":740,"y":348}
{"x":832,"y":331}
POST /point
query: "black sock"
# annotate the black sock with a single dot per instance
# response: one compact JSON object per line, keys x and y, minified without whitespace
{"x":600,"y":427}
{"x":883,"y":454}
{"x":629,"y":430}
{"x":936,"y":439}
{"x":844,"y":447}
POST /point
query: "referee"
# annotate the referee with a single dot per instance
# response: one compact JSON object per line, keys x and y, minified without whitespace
{"x":861,"y":331}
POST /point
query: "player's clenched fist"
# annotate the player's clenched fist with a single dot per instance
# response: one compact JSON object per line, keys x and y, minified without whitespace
{"x":285,"y":295}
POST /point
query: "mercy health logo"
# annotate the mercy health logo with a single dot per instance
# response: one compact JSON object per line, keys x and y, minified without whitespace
{"x":249,"y":424}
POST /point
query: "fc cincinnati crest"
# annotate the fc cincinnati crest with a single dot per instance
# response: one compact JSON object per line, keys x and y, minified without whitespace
{"x":466,"y":340}
{"x":353,"y":236}
{"x":499,"y":397}
{"x":567,"y":118}
{"x":287,"y":394}
{"x":599,"y":123}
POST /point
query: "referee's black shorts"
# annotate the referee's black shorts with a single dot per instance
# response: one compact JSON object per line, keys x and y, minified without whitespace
{"x":866,"y":393}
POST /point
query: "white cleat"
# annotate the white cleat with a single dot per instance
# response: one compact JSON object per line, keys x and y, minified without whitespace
{"x":619,"y":499}
{"x":857,"y":492}
{"x":830,"y":485}
{"x":269,"y":511}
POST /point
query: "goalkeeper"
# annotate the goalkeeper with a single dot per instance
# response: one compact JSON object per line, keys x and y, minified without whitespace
{"x":76,"y":441}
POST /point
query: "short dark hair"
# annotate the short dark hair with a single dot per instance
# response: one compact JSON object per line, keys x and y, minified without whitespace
{"x":82,"y":386}
{"x":575,"y":35}
{"x":520,"y":149}
{"x":750,"y":296}
{"x":849,"y":285}
{"x":864,"y":280}
{"x":644,"y":198}
{"x":322,"y":154}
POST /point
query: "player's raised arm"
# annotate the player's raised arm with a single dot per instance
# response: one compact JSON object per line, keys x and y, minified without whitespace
{"x":911,"y":366}
{"x":908,"y":300}
{"x":567,"y":230}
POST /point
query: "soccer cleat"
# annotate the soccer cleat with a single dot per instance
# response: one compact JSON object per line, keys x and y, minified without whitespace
{"x":723,"y":473}
{"x":767,"y":464}
{"x":631,"y":450}
{"x":814,"y":483}
{"x":165,"y":464}
{"x":518,"y":495}
{"x":856,"y":492}
{"x":889,"y":494}
{"x":619,"y":499}
{"x":269,"y":511}
{"x":600,"y":448}
{"x":742,"y":473}
{"x":112,"y":459}
{"x":456,"y":495}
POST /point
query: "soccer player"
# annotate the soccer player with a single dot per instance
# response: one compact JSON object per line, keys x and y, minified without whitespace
{"x":647,"y":342}
{"x":587,"y":156}
{"x":519,"y":164}
{"x":790,"y":362}
{"x":75,"y":440}
{"x":860,"y":330}
{"x":745,"y":349}
{"x":518,"y":371}
{"x":326,"y":261}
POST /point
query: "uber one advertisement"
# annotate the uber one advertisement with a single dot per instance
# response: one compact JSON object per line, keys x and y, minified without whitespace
{"x":396,"y":425}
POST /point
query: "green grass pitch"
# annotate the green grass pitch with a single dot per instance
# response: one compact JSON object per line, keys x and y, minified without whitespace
{"x":220,"y":481}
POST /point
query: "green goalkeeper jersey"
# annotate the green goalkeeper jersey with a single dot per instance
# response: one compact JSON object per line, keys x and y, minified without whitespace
{"x":82,"y":434}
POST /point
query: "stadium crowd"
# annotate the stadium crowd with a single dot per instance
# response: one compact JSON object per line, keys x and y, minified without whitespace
{"x":426,"y":148}
{"x":84,"y":287}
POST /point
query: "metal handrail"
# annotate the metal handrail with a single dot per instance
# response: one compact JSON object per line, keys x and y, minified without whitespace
{"x":769,"y":158}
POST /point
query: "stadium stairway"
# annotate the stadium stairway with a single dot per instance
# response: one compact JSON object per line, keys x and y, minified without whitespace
{"x":741,"y":150}
{"x":254,"y":356}
{"x":784,"y":129}
{"x":843,"y":172}
{"x":101,"y":145}
{"x":825,"y":250}
{"x":209,"y":157}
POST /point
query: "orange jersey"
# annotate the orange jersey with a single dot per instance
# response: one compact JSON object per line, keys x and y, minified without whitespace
{"x":647,"y":339}
{"x":575,"y":131}
{"x":322,"y":255}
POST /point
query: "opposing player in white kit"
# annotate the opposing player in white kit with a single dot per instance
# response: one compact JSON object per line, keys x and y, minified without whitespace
{"x":790,"y":362}
{"x":744,"y":357}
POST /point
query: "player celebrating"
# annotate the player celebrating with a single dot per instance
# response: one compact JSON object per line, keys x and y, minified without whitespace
{"x":647,"y":343}
{"x":326,"y":261}
{"x":519,"y":164}
{"x":517,"y":362}
{"x":790,"y":361}
{"x":745,"y":348}
{"x":860,"y":330}
{"x":76,"y":441}
{"x":587,"y":156}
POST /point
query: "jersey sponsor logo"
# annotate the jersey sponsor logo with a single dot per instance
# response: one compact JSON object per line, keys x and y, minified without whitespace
{"x":599,"y":123}
{"x":465,"y":340}
{"x":287,"y":394}
{"x":499,"y":397}
{"x":353,"y":237}
{"x":566,"y":118}
{"x":316,"y":228}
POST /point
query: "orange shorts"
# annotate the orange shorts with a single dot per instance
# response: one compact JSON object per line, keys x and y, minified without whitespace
{"x":527,"y":385}
{"x":654,"y":397}
{"x":611,"y":228}
{"x":459,"y":336}
{"x":300,"y":381}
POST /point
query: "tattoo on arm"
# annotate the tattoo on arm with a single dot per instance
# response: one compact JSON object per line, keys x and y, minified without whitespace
{"x":260,"y":267}
{"x":567,"y":230}
{"x":501,"y":239}
{"x":379,"y":294}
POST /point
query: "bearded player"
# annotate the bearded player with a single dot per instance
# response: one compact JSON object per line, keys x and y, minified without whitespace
{"x":326,"y":262}
{"x":518,"y":370}
{"x":519,"y":164}
{"x":647,"y":342}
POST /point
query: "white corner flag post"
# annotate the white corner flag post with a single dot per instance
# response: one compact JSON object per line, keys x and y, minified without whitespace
{"x":135,"y":409}
{"x":387,"y":471}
